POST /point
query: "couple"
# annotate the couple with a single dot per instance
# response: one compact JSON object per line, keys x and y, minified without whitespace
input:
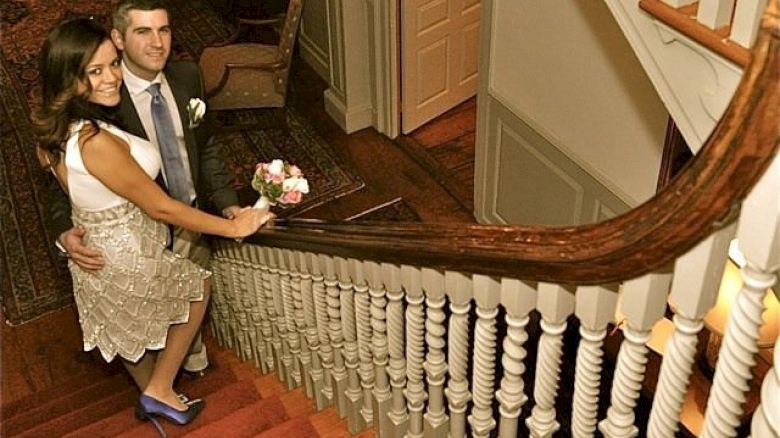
{"x":106,"y":144}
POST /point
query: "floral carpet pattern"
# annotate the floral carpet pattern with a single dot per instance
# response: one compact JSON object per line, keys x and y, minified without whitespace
{"x":34,"y":281}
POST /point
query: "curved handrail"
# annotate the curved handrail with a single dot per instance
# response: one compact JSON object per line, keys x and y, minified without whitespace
{"x":704,"y":197}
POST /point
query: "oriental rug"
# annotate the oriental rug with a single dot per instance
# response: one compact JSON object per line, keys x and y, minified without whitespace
{"x":34,"y":281}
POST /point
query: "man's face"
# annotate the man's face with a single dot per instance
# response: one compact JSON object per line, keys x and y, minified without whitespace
{"x":146,"y":43}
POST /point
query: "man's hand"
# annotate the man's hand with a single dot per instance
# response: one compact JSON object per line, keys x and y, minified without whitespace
{"x":87,"y":258}
{"x":231,"y":212}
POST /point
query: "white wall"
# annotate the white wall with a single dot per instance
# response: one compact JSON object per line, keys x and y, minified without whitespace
{"x":565,"y":69}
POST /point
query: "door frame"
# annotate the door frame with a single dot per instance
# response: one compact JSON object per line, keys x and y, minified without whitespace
{"x":383,"y":29}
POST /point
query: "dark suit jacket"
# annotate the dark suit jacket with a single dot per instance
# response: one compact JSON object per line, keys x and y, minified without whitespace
{"x":211,"y":179}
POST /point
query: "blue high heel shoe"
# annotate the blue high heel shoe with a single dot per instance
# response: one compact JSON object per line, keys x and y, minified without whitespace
{"x":150,"y":409}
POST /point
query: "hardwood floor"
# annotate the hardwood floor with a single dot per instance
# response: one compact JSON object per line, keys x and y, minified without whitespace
{"x":445,"y":147}
{"x":46,"y":352}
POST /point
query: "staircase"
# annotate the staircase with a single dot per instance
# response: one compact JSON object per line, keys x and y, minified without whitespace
{"x":694,"y":52}
{"x":423,"y":329}
{"x":241,"y":403}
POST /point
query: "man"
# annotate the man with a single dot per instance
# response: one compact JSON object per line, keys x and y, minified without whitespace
{"x":155,"y":99}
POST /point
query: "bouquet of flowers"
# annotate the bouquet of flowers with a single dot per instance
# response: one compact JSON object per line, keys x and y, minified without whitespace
{"x":279,"y":183}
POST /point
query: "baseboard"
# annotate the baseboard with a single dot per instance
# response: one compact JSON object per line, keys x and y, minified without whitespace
{"x":349,"y":119}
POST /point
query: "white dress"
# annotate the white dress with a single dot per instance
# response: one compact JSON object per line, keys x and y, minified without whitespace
{"x":126,"y":307}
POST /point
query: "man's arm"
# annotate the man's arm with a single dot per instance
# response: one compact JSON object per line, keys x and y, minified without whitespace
{"x":57,"y":209}
{"x":60,"y":226}
{"x":216,"y":179}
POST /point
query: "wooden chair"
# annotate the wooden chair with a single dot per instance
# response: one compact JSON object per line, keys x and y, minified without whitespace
{"x":251,"y":75}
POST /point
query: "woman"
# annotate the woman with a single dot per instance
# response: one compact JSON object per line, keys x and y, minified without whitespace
{"x":145,"y":299}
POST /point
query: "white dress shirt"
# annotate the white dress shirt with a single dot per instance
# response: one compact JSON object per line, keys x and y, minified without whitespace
{"x":143,"y":105}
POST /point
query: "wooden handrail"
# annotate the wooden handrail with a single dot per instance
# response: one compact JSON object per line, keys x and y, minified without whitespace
{"x":698,"y":32}
{"x":704,"y":197}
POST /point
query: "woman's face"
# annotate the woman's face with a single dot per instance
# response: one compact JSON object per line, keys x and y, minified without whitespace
{"x":104,"y":76}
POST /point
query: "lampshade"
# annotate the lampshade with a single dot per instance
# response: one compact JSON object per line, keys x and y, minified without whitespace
{"x":730,"y":286}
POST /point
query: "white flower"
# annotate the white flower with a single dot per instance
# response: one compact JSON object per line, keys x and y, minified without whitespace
{"x":276,"y":167}
{"x":296,"y":183}
{"x":196,"y":109}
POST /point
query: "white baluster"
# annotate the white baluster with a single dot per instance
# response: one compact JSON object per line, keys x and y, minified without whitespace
{"x":363,"y":318}
{"x":381,"y":395}
{"x":643,"y":304}
{"x":311,"y":367}
{"x":555,"y":303}
{"x":766,"y":418}
{"x":275,"y":314}
{"x":763,"y":251}
{"x":460,"y":291}
{"x":285,"y":320}
{"x":218,"y":304}
{"x":436,"y":423}
{"x":415,"y":348}
{"x":336,"y":334}
{"x":758,"y":233}
{"x":487,"y":293}
{"x":263,"y":349}
{"x":747,"y":19}
{"x":595,"y":308}
{"x":353,"y":392}
{"x":239,"y":306}
{"x":275,"y":358}
{"x":232,"y":299}
{"x":518,"y":298}
{"x":694,"y":292}
{"x":253,"y":309}
{"x":395,"y":334}
{"x":323,"y":381}
{"x":304,"y":319}
{"x":295,"y":321}
{"x":715,"y":13}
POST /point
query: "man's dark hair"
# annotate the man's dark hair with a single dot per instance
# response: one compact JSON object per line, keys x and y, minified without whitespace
{"x":121,"y":16}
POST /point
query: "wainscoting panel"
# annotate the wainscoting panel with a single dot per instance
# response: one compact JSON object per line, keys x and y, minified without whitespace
{"x":528,"y":180}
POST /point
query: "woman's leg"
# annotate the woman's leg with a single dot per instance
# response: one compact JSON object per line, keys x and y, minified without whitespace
{"x":141,"y":371}
{"x":169,"y":360}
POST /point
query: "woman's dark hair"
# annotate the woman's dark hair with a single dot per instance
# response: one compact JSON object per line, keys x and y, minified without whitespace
{"x":68,"y":49}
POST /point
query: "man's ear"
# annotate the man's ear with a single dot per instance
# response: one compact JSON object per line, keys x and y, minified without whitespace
{"x":116,"y":37}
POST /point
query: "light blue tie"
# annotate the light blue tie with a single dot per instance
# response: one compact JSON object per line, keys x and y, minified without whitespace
{"x":175,"y":177}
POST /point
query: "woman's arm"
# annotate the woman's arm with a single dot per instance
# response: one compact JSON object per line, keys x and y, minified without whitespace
{"x":108,"y":158}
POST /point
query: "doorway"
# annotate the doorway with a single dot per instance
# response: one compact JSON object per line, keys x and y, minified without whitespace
{"x":439,"y":57}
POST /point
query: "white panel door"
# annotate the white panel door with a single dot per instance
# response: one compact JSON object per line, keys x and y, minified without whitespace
{"x":439,"y":57}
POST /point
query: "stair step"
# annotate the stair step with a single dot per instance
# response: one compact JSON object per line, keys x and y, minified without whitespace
{"x":295,"y":427}
{"x":64,"y":404}
{"x":39,"y":398}
{"x":216,"y":377}
{"x":218,"y":405}
{"x":248,"y":421}
{"x":75,"y":419}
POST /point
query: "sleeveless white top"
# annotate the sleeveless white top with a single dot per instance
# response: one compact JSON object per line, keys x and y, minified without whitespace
{"x":86,"y":191}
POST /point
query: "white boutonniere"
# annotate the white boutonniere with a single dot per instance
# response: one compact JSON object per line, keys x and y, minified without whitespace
{"x":196,"y":109}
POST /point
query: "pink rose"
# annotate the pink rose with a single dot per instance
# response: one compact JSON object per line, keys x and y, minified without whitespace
{"x":293,"y":197}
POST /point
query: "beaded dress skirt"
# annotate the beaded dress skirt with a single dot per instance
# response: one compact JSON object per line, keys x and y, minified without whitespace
{"x":126,"y":307}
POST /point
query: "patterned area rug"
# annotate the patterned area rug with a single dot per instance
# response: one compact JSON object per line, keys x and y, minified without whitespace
{"x":34,"y":281}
